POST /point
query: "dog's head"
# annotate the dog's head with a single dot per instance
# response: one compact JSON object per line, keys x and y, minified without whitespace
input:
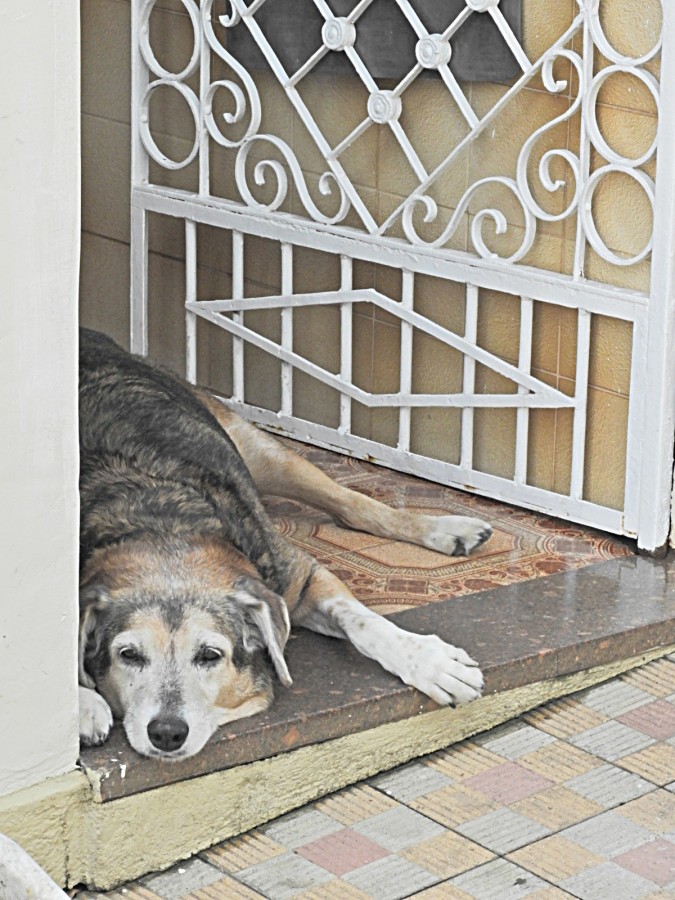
{"x":180,"y":642}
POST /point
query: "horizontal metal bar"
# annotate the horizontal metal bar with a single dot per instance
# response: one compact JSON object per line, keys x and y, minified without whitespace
{"x":559,"y":505}
{"x":452,"y":265}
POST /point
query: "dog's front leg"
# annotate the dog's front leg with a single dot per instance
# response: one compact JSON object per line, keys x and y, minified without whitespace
{"x":95,"y":717}
{"x":445,"y":673}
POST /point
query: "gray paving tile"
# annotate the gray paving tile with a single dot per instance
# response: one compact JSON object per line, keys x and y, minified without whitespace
{"x":611,"y":740}
{"x":390,"y":878}
{"x":498,"y":880}
{"x":514,"y":740}
{"x":183,"y":879}
{"x":608,"y":834}
{"x":614,"y":698}
{"x":609,"y":786}
{"x":398,"y":828}
{"x":671,"y":787}
{"x":608,"y":882}
{"x":300,"y":828}
{"x":410,"y":782}
{"x":503,"y":830}
{"x":283,"y":876}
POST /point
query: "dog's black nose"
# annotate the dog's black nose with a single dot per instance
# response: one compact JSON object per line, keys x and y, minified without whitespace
{"x":168,"y":732}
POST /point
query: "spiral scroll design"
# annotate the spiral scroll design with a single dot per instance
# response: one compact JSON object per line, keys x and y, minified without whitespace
{"x":327,"y":182}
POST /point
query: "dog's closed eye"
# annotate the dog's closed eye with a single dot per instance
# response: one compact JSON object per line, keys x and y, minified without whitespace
{"x":207,"y":656}
{"x":131,"y":656}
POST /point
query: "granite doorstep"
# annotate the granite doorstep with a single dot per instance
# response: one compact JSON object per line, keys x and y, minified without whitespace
{"x":521,"y":634}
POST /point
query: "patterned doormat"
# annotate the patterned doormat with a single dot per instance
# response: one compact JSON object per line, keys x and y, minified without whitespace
{"x":391,"y":575}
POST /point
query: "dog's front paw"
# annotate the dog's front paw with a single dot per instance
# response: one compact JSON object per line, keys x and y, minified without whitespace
{"x":456,"y":535}
{"x":445,"y":673}
{"x":95,"y":717}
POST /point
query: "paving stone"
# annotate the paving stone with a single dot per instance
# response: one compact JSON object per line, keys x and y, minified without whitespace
{"x":508,"y":783}
{"x":608,"y":834}
{"x":514,"y":740}
{"x":607,"y":882}
{"x":242,"y":852}
{"x":180,"y":880}
{"x":455,"y":804}
{"x":555,"y":858}
{"x":355,"y":804}
{"x":463,"y":761}
{"x":657,"y":719}
{"x":398,"y":828}
{"x":342,"y":851}
{"x":565,"y":717}
{"x":654,"y":861}
{"x":655,"y":812}
{"x":498,"y":880}
{"x":224,"y":889}
{"x":614,"y":698}
{"x":284,"y":876}
{"x":559,"y":761}
{"x":557,"y":808}
{"x":503,"y":830}
{"x":391,"y":878}
{"x":609,"y":786}
{"x":299,"y":828}
{"x":611,"y":740}
{"x":447,"y":855}
{"x":655,"y":763}
{"x":657,"y":677}
{"x":411,"y":781}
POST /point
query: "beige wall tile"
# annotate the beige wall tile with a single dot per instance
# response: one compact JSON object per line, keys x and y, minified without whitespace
{"x":106,"y":174}
{"x":636,"y":278}
{"x":499,"y":324}
{"x":106,"y":59}
{"x":606,"y":448}
{"x":611,"y":351}
{"x":631,"y":28}
{"x":544,"y":23}
{"x":437,"y":433}
{"x":104,"y":286}
{"x":554,"y":339}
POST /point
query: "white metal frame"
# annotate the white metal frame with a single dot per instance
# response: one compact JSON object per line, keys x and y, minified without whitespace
{"x":651,"y":417}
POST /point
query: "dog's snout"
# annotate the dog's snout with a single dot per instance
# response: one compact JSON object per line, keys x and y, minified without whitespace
{"x":168,"y":732}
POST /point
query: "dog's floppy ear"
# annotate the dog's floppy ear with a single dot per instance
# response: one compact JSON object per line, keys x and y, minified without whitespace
{"x":92,"y":597}
{"x":270,"y":614}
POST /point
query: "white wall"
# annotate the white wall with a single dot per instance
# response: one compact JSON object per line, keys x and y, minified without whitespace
{"x":39,"y":259}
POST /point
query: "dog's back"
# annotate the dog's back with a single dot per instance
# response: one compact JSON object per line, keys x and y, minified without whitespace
{"x":155,"y":462}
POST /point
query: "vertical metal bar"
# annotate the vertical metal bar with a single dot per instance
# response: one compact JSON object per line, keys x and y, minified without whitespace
{"x":190,"y":297}
{"x":634,"y":436}
{"x":588,"y":54}
{"x":407,"y":293}
{"x":581,"y":405}
{"x":525,"y":365}
{"x":238,"y":294}
{"x":138,"y":338}
{"x":469,"y":380}
{"x":204,"y":84}
{"x":657,"y":423}
{"x":138,"y":325}
{"x":287,"y":329}
{"x":346,"y":343}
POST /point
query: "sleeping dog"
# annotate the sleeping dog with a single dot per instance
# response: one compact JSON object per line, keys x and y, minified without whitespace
{"x":187,"y":590}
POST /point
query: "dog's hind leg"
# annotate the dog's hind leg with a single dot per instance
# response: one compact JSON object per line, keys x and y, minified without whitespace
{"x":278,"y":470}
{"x":445,"y":673}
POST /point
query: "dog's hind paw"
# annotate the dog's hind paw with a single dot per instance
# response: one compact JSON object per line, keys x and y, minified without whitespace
{"x":95,"y":717}
{"x":455,"y":535}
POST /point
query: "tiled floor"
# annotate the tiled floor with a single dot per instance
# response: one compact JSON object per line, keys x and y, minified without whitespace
{"x":391,"y":575}
{"x":575,"y":799}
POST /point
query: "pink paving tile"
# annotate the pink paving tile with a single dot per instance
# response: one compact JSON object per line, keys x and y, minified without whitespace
{"x":654,"y":861}
{"x":342,"y":852}
{"x":508,"y":783}
{"x":656,"y":719}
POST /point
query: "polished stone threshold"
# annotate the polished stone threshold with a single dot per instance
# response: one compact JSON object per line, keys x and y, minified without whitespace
{"x":522,"y":634}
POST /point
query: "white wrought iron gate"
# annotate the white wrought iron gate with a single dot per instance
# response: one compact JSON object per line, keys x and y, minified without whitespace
{"x":272,"y":196}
